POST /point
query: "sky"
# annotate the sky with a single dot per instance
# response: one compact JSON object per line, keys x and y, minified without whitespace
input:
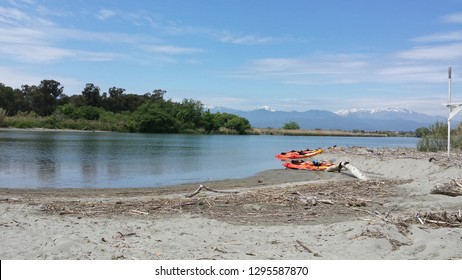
{"x":241,"y":54}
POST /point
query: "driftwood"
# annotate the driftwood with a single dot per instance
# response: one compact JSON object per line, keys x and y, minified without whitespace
{"x":138,"y":212}
{"x":355,"y":171}
{"x":345,"y":164}
{"x":452,"y":188}
{"x":313,"y":199}
{"x":202,"y":187}
{"x":304,"y":246}
{"x":307,"y":249}
{"x":442,"y":219}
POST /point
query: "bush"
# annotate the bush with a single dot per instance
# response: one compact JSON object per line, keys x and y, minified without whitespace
{"x":150,"y":118}
{"x":89,"y":112}
{"x":68,"y":110}
{"x":291,"y":125}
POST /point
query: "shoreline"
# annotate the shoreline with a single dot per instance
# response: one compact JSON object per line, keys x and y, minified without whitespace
{"x":253,"y":131}
{"x":276,"y":214}
{"x":39,"y":129}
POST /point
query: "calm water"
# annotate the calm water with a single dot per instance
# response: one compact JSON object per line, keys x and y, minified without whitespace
{"x":40,"y":159}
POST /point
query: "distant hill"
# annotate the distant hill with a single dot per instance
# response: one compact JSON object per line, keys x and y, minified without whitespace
{"x":389,"y":119}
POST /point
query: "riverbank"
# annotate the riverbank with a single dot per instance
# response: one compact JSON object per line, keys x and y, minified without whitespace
{"x":277,"y":214}
{"x":252,"y":131}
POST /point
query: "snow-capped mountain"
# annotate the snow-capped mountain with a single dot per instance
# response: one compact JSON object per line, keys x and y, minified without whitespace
{"x":266,"y":108}
{"x":387,"y":114}
{"x":369,"y":112}
{"x":390,"y":119}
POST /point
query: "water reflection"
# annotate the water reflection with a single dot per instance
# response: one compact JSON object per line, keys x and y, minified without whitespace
{"x":88,"y":157}
{"x":45,"y":159}
{"x":113,"y":166}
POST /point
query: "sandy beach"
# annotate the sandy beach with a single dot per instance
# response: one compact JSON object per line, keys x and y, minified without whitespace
{"x":277,"y":214}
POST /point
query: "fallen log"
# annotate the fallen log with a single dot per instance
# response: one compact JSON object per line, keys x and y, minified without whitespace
{"x":345,"y":164}
{"x":202,"y":187}
{"x":355,"y":171}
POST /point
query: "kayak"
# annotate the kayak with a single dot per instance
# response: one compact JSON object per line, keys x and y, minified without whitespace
{"x":299,"y":154}
{"x":308,"y":165}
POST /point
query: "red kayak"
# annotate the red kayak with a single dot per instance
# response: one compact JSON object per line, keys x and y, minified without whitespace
{"x":308,"y":165}
{"x":299,"y":154}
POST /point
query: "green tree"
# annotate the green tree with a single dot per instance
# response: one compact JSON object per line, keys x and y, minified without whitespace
{"x":44,"y":97}
{"x":209,"y":123}
{"x":151,"y":118}
{"x":7,"y":100}
{"x":291,"y":125}
{"x":157,"y":95}
{"x":115,"y":101}
{"x":238,"y":124}
{"x":190,"y":114}
{"x":229,"y":121}
{"x":91,"y":95}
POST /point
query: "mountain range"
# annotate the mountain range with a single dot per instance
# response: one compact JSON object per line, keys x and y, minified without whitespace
{"x":389,"y":119}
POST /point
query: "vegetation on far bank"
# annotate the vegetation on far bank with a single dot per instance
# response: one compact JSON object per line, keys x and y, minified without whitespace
{"x":46,"y":106}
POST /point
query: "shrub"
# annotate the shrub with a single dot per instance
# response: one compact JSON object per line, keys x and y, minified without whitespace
{"x":291,"y":125}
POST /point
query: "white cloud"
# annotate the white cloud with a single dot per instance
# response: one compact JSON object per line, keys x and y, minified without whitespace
{"x":178,"y":28}
{"x":169,"y":49}
{"x":105,"y":14}
{"x":36,"y":44}
{"x":440,"y":37}
{"x":39,"y":53}
{"x":27,"y":37}
{"x":35,"y":53}
{"x":12,"y":16}
{"x":316,"y":69}
{"x":412,"y":73}
{"x":453,"y":18}
{"x":20,"y":35}
{"x":227,"y":37}
{"x":440,"y":52}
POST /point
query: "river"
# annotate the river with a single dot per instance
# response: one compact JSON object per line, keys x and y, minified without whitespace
{"x":63,"y":159}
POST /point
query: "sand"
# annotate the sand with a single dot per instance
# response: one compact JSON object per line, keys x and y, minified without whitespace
{"x":277,"y":214}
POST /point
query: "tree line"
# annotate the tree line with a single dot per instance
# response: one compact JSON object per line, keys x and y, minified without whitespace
{"x":46,"y":105}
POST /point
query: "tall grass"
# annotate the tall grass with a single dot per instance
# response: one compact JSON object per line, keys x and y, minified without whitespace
{"x":436,"y":138}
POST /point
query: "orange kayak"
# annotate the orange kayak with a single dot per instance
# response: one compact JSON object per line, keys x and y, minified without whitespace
{"x":299,"y":154}
{"x":308,"y":165}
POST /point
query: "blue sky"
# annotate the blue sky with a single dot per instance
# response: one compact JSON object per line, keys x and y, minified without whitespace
{"x":287,"y":54}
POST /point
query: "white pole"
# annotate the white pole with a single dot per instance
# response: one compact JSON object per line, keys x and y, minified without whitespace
{"x":449,"y":114}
